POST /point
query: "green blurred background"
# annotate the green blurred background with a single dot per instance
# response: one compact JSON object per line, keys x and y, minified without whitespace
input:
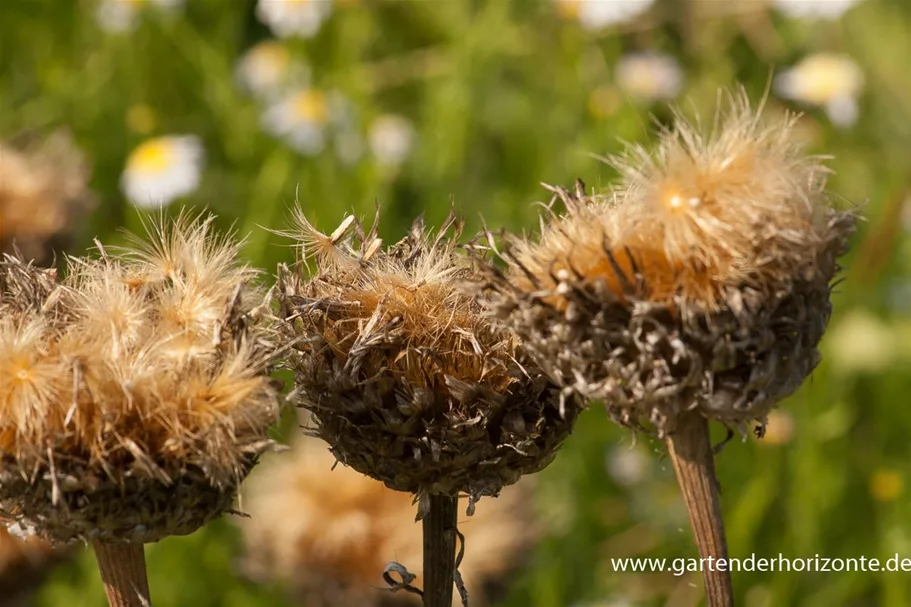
{"x":492,"y":98}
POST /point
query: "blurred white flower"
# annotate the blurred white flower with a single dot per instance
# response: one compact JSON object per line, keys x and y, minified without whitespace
{"x":627,"y":465}
{"x":120,"y":16}
{"x":349,"y":146}
{"x":861,"y":342}
{"x":287,"y":18}
{"x":598,"y":14}
{"x":300,"y":118}
{"x":267,"y":68}
{"x":825,"y":80}
{"x":390,"y":138}
{"x":649,"y":76}
{"x":814,"y":9}
{"x":162,"y":169}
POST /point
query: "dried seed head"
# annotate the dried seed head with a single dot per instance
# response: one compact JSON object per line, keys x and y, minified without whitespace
{"x":134,"y":393}
{"x":43,"y":189}
{"x":330,"y":533}
{"x":406,"y":379}
{"x":24,"y":565}
{"x":702,"y":281}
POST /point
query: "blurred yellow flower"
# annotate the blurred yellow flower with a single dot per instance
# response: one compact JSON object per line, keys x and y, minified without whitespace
{"x":267,"y":68}
{"x":886,"y":485}
{"x":120,"y":16}
{"x":163,"y":169}
{"x":288,"y":18}
{"x":649,"y":76}
{"x":860,"y":342}
{"x":141,"y":119}
{"x":598,"y":14}
{"x":825,"y":80}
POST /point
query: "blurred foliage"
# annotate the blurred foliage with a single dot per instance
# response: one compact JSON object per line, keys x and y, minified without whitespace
{"x":504,"y":95}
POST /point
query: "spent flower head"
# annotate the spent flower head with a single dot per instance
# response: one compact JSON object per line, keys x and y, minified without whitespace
{"x":328,"y":533}
{"x":43,"y":192}
{"x":406,"y":378}
{"x":134,"y":393}
{"x":701,"y":281}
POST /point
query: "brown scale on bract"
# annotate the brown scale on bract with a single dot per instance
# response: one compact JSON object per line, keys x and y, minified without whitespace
{"x":405,"y":377}
{"x":134,"y":393}
{"x":24,"y":565}
{"x":43,"y":190}
{"x":328,"y":533}
{"x":703,"y":280}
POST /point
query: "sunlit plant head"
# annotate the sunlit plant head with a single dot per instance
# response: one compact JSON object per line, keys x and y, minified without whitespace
{"x":134,"y":394}
{"x":702,"y":280}
{"x":405,"y":377}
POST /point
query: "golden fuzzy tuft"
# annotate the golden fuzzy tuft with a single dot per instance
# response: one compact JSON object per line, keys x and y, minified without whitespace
{"x":407,"y":379}
{"x":134,"y":393}
{"x":43,"y":190}
{"x":328,"y":534}
{"x":24,"y":565}
{"x":701,"y":280}
{"x":739,"y":204}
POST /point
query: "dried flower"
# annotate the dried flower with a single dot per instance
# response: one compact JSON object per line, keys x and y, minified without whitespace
{"x":43,"y":191}
{"x":703,"y":281}
{"x":406,"y":379}
{"x":330,"y":532}
{"x":697,"y":290}
{"x":24,"y":564}
{"x":133,"y":392}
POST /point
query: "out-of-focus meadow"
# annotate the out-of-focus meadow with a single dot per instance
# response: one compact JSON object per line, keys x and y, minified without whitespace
{"x":421,"y":104}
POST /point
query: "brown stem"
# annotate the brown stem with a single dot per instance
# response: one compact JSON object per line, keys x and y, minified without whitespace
{"x":694,"y":463}
{"x":123,"y":571}
{"x":439,"y":550}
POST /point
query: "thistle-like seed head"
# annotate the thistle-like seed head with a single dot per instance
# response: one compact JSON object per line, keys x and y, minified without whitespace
{"x":134,"y":393}
{"x":24,"y":565}
{"x":328,"y":533}
{"x":406,"y":378}
{"x":43,"y":189}
{"x":703,"y":280}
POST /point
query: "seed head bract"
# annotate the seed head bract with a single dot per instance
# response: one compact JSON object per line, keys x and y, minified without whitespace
{"x":405,"y":377}
{"x":701,"y":280}
{"x":134,"y":392}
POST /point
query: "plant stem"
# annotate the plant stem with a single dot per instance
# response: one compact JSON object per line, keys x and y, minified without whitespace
{"x":439,"y":550}
{"x":694,"y":462}
{"x":123,"y":571}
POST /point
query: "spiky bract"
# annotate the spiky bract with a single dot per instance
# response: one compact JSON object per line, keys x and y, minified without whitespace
{"x":133,"y":393}
{"x":328,"y":532}
{"x":702,"y":281}
{"x":406,"y":379}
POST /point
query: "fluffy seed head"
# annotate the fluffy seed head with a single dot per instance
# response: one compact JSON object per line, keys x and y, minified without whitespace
{"x":24,"y":565}
{"x":134,"y":393}
{"x":702,"y":280}
{"x":328,"y":533}
{"x":405,"y":378}
{"x":42,"y":193}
